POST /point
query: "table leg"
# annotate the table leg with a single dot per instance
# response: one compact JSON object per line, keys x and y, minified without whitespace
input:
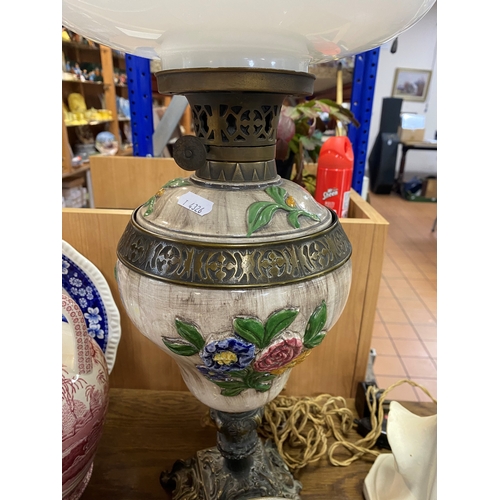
{"x":398,"y":187}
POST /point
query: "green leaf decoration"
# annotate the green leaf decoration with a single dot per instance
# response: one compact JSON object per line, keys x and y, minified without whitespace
{"x":260,"y":213}
{"x":150,"y":205}
{"x":241,"y":374}
{"x":262,"y":387}
{"x":181,"y":349}
{"x":277,"y":322}
{"x":278,"y":194}
{"x":308,"y":214}
{"x":314,"y":326}
{"x":245,"y":379}
{"x":260,"y":381}
{"x":231,"y":389}
{"x":190,"y":333}
{"x":315,"y":341}
{"x":251,"y":329}
{"x":293,"y":219}
{"x":178,"y":182}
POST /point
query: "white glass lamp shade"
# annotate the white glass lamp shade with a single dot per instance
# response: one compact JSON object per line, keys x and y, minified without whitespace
{"x":276,"y":34}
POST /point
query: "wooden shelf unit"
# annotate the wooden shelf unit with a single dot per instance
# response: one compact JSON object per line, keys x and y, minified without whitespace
{"x":96,"y":94}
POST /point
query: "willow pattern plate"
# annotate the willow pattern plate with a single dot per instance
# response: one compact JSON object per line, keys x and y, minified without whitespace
{"x":86,"y":285}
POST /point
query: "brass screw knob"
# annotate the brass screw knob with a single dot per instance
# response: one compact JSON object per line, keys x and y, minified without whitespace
{"x":189,"y":152}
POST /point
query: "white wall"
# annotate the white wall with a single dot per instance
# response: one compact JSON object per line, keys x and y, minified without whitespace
{"x":417,"y":48}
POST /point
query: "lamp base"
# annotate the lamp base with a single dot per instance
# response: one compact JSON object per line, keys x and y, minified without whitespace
{"x":209,"y":476}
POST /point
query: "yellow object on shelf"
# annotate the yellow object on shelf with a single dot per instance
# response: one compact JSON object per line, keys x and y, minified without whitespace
{"x":76,"y":103}
{"x":89,"y":116}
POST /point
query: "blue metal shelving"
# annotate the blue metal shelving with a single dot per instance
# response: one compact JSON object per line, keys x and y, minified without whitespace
{"x":140,"y":96}
{"x":363,"y":88}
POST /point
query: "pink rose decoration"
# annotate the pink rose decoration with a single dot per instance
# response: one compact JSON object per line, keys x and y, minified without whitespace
{"x":278,"y":354}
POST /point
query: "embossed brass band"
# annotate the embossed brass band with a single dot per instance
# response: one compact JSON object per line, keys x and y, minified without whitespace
{"x":233,"y":266}
{"x":238,"y":172}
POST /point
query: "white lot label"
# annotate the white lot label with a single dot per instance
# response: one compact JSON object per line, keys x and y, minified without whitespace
{"x":195,"y":203}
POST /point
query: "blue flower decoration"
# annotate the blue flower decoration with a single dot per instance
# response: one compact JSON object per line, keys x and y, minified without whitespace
{"x":228,"y":355}
{"x":76,"y":282}
{"x":93,"y":316}
{"x":82,"y":290}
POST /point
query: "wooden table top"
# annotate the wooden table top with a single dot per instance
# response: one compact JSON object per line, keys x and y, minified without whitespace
{"x":147,"y":431}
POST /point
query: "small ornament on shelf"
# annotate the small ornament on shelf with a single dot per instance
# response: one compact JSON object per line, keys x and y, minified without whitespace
{"x":106,"y":143}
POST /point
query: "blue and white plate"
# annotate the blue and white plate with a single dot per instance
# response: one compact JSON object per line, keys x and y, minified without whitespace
{"x":86,"y":285}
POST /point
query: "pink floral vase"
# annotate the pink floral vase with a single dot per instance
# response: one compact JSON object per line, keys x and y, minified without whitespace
{"x":85,"y":386}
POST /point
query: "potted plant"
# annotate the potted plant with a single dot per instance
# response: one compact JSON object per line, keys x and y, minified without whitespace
{"x":300,"y":132}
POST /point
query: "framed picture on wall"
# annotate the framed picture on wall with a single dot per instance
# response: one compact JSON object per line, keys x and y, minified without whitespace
{"x":411,"y":84}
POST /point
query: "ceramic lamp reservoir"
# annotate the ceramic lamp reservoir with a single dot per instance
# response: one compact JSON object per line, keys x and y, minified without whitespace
{"x":236,"y":272}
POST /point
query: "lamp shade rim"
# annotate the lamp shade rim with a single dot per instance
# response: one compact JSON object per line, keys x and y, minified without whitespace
{"x":282,"y":34}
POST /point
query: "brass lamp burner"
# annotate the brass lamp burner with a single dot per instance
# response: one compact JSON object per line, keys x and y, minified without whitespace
{"x":236,"y":125}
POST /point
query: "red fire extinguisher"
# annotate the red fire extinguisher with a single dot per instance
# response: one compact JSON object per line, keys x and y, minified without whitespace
{"x":334,"y":177}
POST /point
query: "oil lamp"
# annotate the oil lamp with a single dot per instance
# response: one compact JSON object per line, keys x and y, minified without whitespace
{"x":232,"y":270}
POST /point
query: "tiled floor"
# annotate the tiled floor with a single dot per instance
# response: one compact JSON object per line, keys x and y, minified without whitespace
{"x":405,"y":331}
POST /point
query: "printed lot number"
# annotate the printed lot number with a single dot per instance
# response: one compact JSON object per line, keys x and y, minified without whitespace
{"x":196,"y":203}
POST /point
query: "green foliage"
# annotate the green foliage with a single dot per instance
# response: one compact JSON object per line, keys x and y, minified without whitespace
{"x":304,"y":116}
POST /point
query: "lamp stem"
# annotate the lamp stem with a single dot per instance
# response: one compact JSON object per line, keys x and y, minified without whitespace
{"x":237,"y":437}
{"x":240,"y":467}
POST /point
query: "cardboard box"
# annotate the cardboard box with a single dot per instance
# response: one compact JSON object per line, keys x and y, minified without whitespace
{"x":429,"y":187}
{"x":411,"y":128}
{"x":409,"y":135}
